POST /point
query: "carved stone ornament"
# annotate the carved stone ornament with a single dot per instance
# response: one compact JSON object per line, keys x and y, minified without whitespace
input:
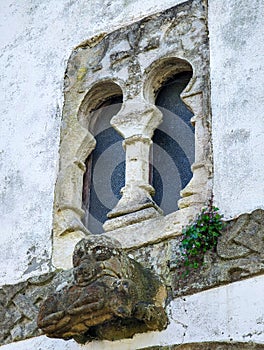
{"x":239,"y":254}
{"x":112,"y":296}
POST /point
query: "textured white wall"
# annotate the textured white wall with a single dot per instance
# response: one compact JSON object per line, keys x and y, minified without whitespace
{"x":237,"y":75}
{"x":36,"y":40}
{"x":232,"y":313}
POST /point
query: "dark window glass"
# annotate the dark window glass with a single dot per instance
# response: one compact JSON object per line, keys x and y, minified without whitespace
{"x":172,"y":155}
{"x":173,"y":144}
{"x":105,"y":175}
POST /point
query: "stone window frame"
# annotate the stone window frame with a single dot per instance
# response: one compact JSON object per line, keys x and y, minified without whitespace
{"x":135,"y":60}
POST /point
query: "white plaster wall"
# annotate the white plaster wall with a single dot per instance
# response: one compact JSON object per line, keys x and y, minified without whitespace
{"x":36,"y":40}
{"x":237,"y":75}
{"x":232,"y":313}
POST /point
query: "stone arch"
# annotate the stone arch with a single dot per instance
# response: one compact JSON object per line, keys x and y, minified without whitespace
{"x":173,"y":142}
{"x":101,"y":102}
{"x":97,"y":94}
{"x":198,"y":189}
{"x":160,"y":71}
{"x":76,"y":145}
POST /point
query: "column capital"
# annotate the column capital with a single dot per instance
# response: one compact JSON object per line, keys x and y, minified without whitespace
{"x":137,"y":117}
{"x":137,"y":138}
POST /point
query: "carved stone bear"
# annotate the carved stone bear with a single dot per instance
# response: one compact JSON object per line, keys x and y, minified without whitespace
{"x":112,"y":296}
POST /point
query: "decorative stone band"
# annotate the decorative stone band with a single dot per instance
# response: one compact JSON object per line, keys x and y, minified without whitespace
{"x":210,"y":346}
{"x":138,"y":137}
{"x":239,"y":256}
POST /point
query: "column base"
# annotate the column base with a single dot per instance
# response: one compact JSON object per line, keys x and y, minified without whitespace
{"x":131,"y":218}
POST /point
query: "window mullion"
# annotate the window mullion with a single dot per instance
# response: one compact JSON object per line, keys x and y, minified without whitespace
{"x":136,"y":122}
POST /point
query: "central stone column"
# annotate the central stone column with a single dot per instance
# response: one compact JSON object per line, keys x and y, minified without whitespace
{"x":136,"y":122}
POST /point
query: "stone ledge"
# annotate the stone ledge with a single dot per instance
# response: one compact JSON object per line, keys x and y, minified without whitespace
{"x":209,"y":346}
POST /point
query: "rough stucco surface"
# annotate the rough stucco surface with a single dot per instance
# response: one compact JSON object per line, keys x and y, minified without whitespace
{"x":36,"y":40}
{"x":230,"y":314}
{"x":237,"y":76}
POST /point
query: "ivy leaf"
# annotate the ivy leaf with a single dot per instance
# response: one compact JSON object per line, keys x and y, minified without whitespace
{"x":200,"y":236}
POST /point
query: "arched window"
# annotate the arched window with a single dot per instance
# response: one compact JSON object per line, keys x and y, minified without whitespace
{"x":170,"y":159}
{"x":173,"y":144}
{"x":118,"y":88}
{"x":105,"y":166}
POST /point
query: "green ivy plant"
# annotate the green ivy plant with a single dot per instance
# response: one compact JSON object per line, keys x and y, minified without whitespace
{"x":200,"y":237}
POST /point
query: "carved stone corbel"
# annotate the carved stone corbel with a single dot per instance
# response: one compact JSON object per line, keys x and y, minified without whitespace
{"x":112,"y":296}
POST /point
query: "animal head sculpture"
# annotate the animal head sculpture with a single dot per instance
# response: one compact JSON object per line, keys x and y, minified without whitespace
{"x":112,"y":296}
